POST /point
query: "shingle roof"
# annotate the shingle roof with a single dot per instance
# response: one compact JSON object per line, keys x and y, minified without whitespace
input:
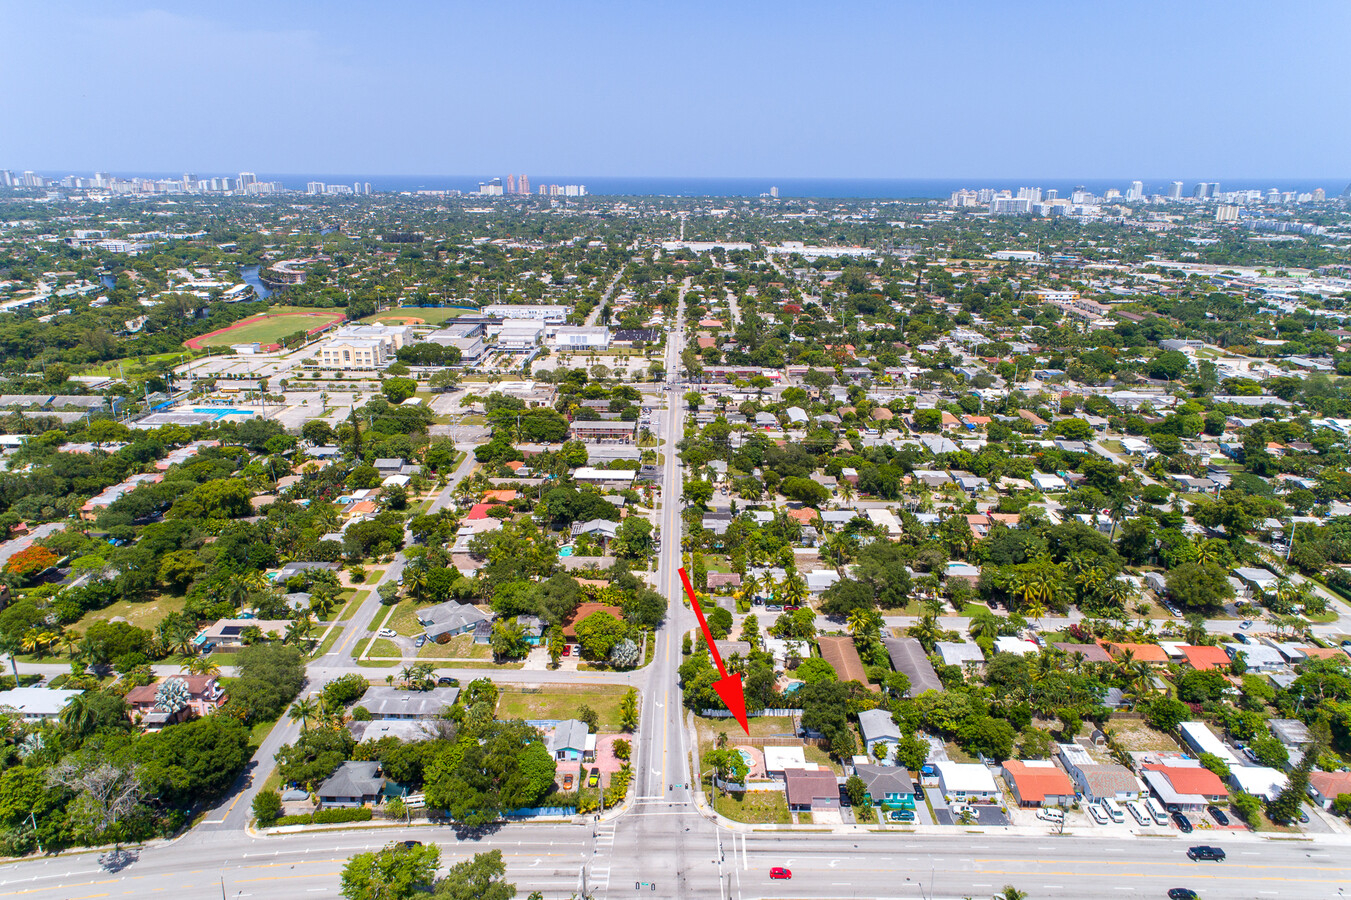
{"x":908,"y":656}
{"x":883,"y":780}
{"x":353,"y":779}
{"x":839,"y":651}
{"x":805,"y":786}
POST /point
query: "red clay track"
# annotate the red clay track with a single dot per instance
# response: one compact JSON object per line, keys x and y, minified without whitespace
{"x":330,"y":319}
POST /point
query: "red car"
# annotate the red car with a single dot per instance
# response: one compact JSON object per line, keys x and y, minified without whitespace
{"x":780,"y":872}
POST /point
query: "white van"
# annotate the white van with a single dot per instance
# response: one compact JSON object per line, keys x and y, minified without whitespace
{"x":1113,"y":811}
{"x":1156,"y":810}
{"x":1138,"y":812}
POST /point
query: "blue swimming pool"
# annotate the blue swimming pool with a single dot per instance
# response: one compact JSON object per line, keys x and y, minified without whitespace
{"x":221,"y":412}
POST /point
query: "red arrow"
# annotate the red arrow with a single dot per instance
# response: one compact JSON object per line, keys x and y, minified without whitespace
{"x":729,"y":687}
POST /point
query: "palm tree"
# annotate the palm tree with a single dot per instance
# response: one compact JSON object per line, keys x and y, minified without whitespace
{"x":864,"y":624}
{"x":303,"y":710}
{"x":985,"y":625}
{"x":1011,"y":893}
{"x":78,"y":715}
{"x":201,"y":665}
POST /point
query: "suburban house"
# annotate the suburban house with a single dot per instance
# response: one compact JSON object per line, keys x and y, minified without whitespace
{"x":1184,"y":788}
{"x":811,"y":789}
{"x":908,"y":657}
{"x":1039,"y":782}
{"x":1260,"y":781}
{"x":880,"y":733}
{"x":779,"y":760}
{"x":445,"y":620}
{"x":33,"y":704}
{"x":229,"y":634}
{"x":572,"y":740}
{"x":1326,"y":787}
{"x":396,"y":703}
{"x":888,"y":786}
{"x":966,"y":781}
{"x":353,"y":784}
{"x":603,"y":530}
{"x":204,"y":696}
{"x":839,"y":651}
{"x":1097,"y":781}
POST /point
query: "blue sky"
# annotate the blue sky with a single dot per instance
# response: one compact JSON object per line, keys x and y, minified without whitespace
{"x":942,"y":88}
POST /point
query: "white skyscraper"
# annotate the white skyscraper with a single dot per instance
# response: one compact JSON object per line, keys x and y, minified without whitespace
{"x":315,"y":187}
{"x":1200,"y":192}
{"x":244,"y":180}
{"x":1135,"y":192}
{"x":1175,"y":191}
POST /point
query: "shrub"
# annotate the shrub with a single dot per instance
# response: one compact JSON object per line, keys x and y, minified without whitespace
{"x":361,"y":714}
{"x":267,"y":807}
{"x":328,"y":817}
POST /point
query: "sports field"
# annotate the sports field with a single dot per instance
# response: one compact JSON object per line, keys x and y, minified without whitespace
{"x":416,"y":315}
{"x":269,"y":328}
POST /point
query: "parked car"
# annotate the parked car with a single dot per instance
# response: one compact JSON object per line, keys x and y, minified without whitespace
{"x":594,"y":778}
{"x":1246,"y":625}
{"x":1050,"y":815}
{"x":412,"y":843}
{"x":1218,"y":815}
{"x":901,"y":815}
{"x":421,"y":639}
{"x":1303,"y":817}
{"x":447,"y":681}
{"x":567,"y":782}
{"x":1138,"y":812}
{"x":1182,"y":894}
{"x":1205,"y":852}
{"x":1241,"y":637}
{"x":1183,"y":823}
{"x":780,"y":872}
{"x":387,"y":633}
{"x":1098,"y":815}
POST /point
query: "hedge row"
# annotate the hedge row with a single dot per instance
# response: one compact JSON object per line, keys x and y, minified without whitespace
{"x":328,"y":817}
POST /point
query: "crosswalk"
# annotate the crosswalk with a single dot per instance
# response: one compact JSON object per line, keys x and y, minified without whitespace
{"x":598,"y":881}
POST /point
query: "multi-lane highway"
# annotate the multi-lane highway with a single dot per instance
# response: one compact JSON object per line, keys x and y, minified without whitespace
{"x":664,"y":844}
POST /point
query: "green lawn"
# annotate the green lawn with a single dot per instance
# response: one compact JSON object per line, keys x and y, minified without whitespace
{"x":562,"y":702}
{"x":404,"y":315}
{"x":404,"y":618}
{"x":280,"y":322}
{"x":143,"y":615}
{"x":382,"y":647}
{"x":758,"y":807}
{"x":461,"y":646}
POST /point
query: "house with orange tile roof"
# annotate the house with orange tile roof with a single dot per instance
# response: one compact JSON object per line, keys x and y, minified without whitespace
{"x":499,"y":496}
{"x":1039,"y":782}
{"x":1150,"y":653}
{"x":514,"y":465}
{"x":806,"y":515}
{"x":1184,"y":787}
{"x":1203,"y":659}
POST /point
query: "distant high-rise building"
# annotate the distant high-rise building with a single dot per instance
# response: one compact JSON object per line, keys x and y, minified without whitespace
{"x":1273,"y":196}
{"x":1135,"y":192}
{"x":244,"y":180}
{"x":523,"y":186}
{"x":774,"y":192}
{"x":1214,"y":190}
{"x":1226,"y":213}
{"x":367,"y":186}
{"x":1175,"y":191}
{"x":1319,"y":195}
{"x":6,"y":178}
{"x":491,"y":188}
{"x":1112,"y":194}
{"x":1199,"y":192}
{"x":511,"y":184}
{"x":1051,"y":194}
{"x":1030,"y":193}
{"x":315,"y":187}
{"x":32,"y":179}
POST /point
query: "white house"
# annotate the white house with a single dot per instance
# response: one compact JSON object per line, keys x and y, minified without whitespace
{"x":879,"y":730}
{"x":966,"y":781}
